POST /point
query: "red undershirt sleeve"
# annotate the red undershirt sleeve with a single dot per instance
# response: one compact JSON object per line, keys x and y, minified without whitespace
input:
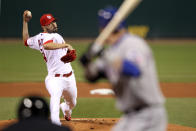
{"x":25,"y":43}
{"x":49,"y":41}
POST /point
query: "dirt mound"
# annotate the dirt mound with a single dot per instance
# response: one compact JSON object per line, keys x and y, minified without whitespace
{"x":96,"y":124}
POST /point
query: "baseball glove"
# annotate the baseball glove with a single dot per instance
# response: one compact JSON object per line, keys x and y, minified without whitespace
{"x":69,"y":57}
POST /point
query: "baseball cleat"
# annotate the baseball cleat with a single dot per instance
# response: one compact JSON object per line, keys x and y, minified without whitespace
{"x":68,"y":118}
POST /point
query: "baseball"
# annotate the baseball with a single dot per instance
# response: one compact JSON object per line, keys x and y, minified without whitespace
{"x":29,"y":14}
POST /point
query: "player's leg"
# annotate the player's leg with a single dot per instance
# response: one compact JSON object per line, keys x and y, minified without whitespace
{"x":159,"y":119}
{"x":67,"y":105}
{"x":55,"y":95}
{"x":144,"y":120}
{"x":70,"y":96}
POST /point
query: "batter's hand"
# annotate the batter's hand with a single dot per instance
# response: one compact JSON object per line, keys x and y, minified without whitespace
{"x":26,"y":17}
{"x":86,"y":58}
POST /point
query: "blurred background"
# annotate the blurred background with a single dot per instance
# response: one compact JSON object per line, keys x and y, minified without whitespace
{"x":77,"y":18}
{"x":169,"y":26}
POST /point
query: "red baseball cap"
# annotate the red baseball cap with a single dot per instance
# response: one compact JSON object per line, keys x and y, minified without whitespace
{"x":46,"y":19}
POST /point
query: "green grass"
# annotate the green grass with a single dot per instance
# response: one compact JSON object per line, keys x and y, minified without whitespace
{"x":181,"y":111}
{"x":102,"y":108}
{"x":9,"y":107}
{"x":19,"y":63}
{"x":175,"y":63}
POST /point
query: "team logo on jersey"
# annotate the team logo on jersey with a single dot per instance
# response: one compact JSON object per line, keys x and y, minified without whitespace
{"x":49,"y":17}
{"x":105,"y":14}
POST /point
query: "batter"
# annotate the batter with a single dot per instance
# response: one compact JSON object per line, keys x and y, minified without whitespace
{"x":60,"y":81}
{"x":129,"y":66}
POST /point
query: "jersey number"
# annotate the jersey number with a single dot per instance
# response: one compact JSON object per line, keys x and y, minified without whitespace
{"x":41,"y":49}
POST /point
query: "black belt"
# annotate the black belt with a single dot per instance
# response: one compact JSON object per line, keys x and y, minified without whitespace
{"x":135,"y":109}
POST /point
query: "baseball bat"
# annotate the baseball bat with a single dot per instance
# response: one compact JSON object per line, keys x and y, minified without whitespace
{"x":124,"y":10}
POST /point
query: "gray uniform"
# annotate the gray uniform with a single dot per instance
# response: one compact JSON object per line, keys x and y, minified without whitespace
{"x":140,"y":97}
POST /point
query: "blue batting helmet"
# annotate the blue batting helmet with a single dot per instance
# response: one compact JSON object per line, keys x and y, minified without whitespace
{"x":105,"y":15}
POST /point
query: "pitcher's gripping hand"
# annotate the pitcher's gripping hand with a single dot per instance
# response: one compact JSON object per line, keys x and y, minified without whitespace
{"x":27,"y":16}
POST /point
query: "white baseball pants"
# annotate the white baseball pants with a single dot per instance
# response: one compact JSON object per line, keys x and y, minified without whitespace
{"x":61,"y":87}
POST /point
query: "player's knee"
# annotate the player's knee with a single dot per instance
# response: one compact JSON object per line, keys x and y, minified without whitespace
{"x":72,"y":104}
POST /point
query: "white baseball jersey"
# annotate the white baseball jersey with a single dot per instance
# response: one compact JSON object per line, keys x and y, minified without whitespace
{"x":61,"y":85}
{"x":52,"y":57}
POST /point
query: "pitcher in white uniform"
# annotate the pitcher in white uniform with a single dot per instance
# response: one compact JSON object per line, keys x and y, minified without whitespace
{"x":60,"y":81}
{"x":129,"y":66}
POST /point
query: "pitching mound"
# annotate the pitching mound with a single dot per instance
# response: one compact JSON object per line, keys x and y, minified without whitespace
{"x":106,"y":124}
{"x":96,"y":124}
